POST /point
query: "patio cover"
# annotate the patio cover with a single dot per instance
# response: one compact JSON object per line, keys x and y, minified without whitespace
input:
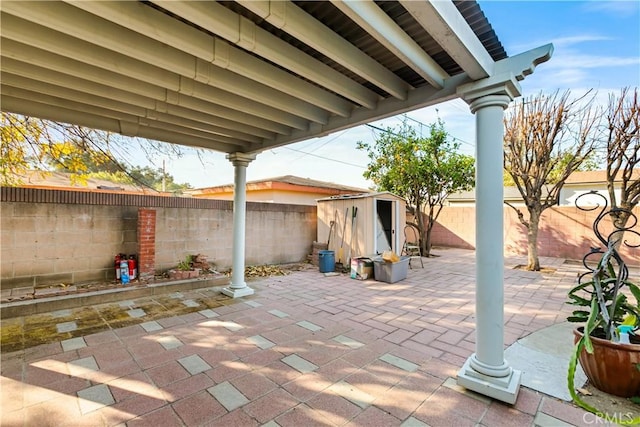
{"x":247,"y":76}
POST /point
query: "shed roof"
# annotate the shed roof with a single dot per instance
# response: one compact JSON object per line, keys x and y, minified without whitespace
{"x":361,"y":196}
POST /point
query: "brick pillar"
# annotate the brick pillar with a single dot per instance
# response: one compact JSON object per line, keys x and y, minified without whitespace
{"x":146,"y":243}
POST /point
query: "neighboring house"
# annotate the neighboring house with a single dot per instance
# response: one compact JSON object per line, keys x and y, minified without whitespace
{"x":63,"y":180}
{"x":578,"y":183}
{"x":583,"y":182}
{"x":468,"y":198}
{"x":286,"y":189}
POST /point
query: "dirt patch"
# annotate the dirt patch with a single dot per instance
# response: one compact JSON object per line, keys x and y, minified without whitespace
{"x":618,"y":409}
{"x":543,"y":270}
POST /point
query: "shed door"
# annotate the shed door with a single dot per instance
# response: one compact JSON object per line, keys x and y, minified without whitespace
{"x":385,"y":226}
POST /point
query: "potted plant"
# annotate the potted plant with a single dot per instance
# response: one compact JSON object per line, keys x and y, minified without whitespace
{"x":610,"y":312}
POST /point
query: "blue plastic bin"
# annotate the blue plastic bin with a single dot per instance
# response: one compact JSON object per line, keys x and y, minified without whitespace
{"x":327,"y":261}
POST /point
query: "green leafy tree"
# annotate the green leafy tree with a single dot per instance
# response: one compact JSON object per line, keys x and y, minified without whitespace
{"x":18,"y":135}
{"x":422,"y":170}
{"x":156,"y":179}
{"x":547,"y":138}
{"x":29,"y":143}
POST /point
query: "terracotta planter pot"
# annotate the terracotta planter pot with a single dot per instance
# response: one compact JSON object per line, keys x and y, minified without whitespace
{"x":613,"y":367}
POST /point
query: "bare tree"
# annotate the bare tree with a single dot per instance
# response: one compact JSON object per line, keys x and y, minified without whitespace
{"x":623,"y":155}
{"x":547,"y":137}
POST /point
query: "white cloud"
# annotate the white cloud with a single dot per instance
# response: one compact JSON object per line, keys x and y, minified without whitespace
{"x":558,"y":42}
{"x":613,"y":7}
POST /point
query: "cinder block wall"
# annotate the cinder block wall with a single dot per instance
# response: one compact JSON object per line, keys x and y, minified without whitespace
{"x":54,"y":236}
{"x":565,"y":232}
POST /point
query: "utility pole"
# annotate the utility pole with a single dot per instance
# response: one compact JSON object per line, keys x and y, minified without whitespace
{"x":164,"y":180}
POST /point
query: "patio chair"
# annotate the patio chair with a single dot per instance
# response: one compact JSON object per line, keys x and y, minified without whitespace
{"x":411,"y":247}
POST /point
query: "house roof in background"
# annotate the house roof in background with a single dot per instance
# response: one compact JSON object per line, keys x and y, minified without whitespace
{"x":510,"y":193}
{"x":286,"y":182}
{"x":63,"y":180}
{"x":599,"y":176}
{"x":576,"y":178}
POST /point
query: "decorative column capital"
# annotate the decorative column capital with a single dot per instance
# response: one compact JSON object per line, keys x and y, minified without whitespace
{"x":241,"y":159}
{"x":503,"y":83}
{"x":495,"y":90}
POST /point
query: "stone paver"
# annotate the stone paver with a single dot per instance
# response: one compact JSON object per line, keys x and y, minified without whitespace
{"x":208,"y":313}
{"x":261,"y":342}
{"x":73,"y":344}
{"x":348,"y":341}
{"x":190,"y":303}
{"x":61,"y":313}
{"x":310,"y":326}
{"x":399,"y":362}
{"x":194,"y":364}
{"x":352,"y":394}
{"x":169,"y":342}
{"x":80,"y":366}
{"x":253,"y":304}
{"x":279,"y":313}
{"x":299,"y":363}
{"x":136,"y":312}
{"x":66,"y":327}
{"x":228,"y":396}
{"x":303,"y":350}
{"x":151,"y":326}
{"x":93,"y":398}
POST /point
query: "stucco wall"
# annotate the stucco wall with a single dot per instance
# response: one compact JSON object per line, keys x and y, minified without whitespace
{"x":565,"y":232}
{"x":53,"y":236}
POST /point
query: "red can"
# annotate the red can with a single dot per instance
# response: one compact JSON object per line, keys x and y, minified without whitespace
{"x":133,"y":267}
{"x":117,"y":267}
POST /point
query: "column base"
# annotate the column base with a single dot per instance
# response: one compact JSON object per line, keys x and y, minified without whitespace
{"x":504,"y":389}
{"x":238,"y":292}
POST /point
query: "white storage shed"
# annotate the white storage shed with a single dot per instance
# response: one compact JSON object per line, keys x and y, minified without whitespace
{"x":363,"y":224}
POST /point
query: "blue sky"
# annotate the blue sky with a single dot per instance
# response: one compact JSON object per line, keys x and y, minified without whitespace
{"x":596,"y":45}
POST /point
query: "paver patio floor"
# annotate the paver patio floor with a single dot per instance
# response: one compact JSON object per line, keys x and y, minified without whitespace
{"x":304,"y":350}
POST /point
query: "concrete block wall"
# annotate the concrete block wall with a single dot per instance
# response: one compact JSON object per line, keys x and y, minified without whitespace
{"x":54,"y":236}
{"x":47,"y":243}
{"x":565,"y":232}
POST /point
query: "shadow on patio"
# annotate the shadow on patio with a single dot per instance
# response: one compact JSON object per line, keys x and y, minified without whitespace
{"x":304,"y":350}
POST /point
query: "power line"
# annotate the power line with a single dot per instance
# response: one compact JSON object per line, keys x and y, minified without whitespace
{"x":322,"y":145}
{"x":400,"y":136}
{"x":326,"y":158}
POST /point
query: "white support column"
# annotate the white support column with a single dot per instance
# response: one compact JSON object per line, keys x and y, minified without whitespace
{"x":486,"y":371}
{"x":238,"y":287}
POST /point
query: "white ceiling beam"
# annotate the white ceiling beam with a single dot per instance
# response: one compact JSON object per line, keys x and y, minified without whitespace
{"x":381,"y":27}
{"x":110,"y":40}
{"x":83,"y":118}
{"x":288,"y":17}
{"x":69,"y":92}
{"x":447,"y":26}
{"x":61,"y":44}
{"x":165,"y":29}
{"x":116,"y":103}
{"x":244,"y":33}
{"x":67,"y":104}
{"x":17,"y":58}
